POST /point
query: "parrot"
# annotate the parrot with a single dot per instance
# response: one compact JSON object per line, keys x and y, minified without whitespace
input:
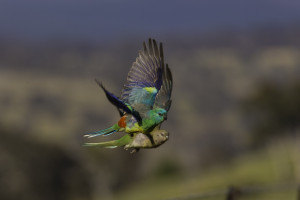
{"x":136,"y":141}
{"x":144,"y":101}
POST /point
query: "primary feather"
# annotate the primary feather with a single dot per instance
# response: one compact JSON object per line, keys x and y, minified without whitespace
{"x":146,"y":72}
{"x":163,"y":98}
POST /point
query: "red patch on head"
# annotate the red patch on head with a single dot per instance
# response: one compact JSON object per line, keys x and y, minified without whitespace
{"x":122,"y":122}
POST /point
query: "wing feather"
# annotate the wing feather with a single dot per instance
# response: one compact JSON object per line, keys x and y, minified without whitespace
{"x":146,"y":71}
{"x":122,"y":106}
{"x":149,"y":83}
{"x":163,"y":98}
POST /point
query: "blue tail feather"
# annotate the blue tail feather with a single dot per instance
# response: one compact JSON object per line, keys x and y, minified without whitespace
{"x":107,"y":134}
{"x":104,"y":132}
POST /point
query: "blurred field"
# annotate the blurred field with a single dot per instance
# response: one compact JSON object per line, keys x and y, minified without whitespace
{"x":275,"y":165}
{"x":48,"y":100}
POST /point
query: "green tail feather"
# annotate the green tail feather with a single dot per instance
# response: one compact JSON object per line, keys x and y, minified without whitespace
{"x":111,"y":144}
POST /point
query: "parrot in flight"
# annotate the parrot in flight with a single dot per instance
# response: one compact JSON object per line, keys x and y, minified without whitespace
{"x":136,"y":141}
{"x":145,"y":99}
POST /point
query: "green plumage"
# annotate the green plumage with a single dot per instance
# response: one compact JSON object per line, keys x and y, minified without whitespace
{"x":126,"y":139}
{"x":137,"y":140}
{"x":144,"y":102}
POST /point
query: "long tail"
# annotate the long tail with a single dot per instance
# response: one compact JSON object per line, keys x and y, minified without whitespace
{"x":110,"y":144}
{"x":126,"y":139}
{"x":104,"y":132}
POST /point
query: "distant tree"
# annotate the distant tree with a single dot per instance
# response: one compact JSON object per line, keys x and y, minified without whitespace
{"x":31,"y":169}
{"x":273,"y":109}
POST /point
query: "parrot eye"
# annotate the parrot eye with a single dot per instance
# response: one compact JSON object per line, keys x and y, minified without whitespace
{"x":160,"y":114}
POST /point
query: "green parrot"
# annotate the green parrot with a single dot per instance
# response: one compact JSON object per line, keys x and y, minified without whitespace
{"x":145,"y":98}
{"x":136,"y":140}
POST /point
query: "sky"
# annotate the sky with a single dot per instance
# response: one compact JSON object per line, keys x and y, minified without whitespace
{"x":110,"y":19}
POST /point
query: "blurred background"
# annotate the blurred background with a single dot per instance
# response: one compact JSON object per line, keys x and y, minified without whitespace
{"x":236,"y":98}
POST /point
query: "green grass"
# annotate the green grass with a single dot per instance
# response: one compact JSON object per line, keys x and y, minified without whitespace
{"x":269,"y":167}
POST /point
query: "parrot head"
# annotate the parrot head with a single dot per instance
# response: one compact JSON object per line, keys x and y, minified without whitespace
{"x":160,"y":136}
{"x":158,"y":114}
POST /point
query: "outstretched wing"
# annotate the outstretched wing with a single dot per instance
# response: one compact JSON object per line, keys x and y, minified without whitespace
{"x":121,"y":105}
{"x":144,"y":79}
{"x":163,"y":98}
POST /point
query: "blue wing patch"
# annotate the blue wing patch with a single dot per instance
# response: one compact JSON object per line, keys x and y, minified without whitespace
{"x":145,"y":96}
{"x":119,"y":103}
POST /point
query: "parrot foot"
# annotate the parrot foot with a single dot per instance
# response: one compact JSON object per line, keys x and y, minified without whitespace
{"x":135,"y":150}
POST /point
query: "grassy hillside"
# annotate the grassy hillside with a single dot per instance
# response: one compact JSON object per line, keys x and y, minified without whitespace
{"x":269,"y":173}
